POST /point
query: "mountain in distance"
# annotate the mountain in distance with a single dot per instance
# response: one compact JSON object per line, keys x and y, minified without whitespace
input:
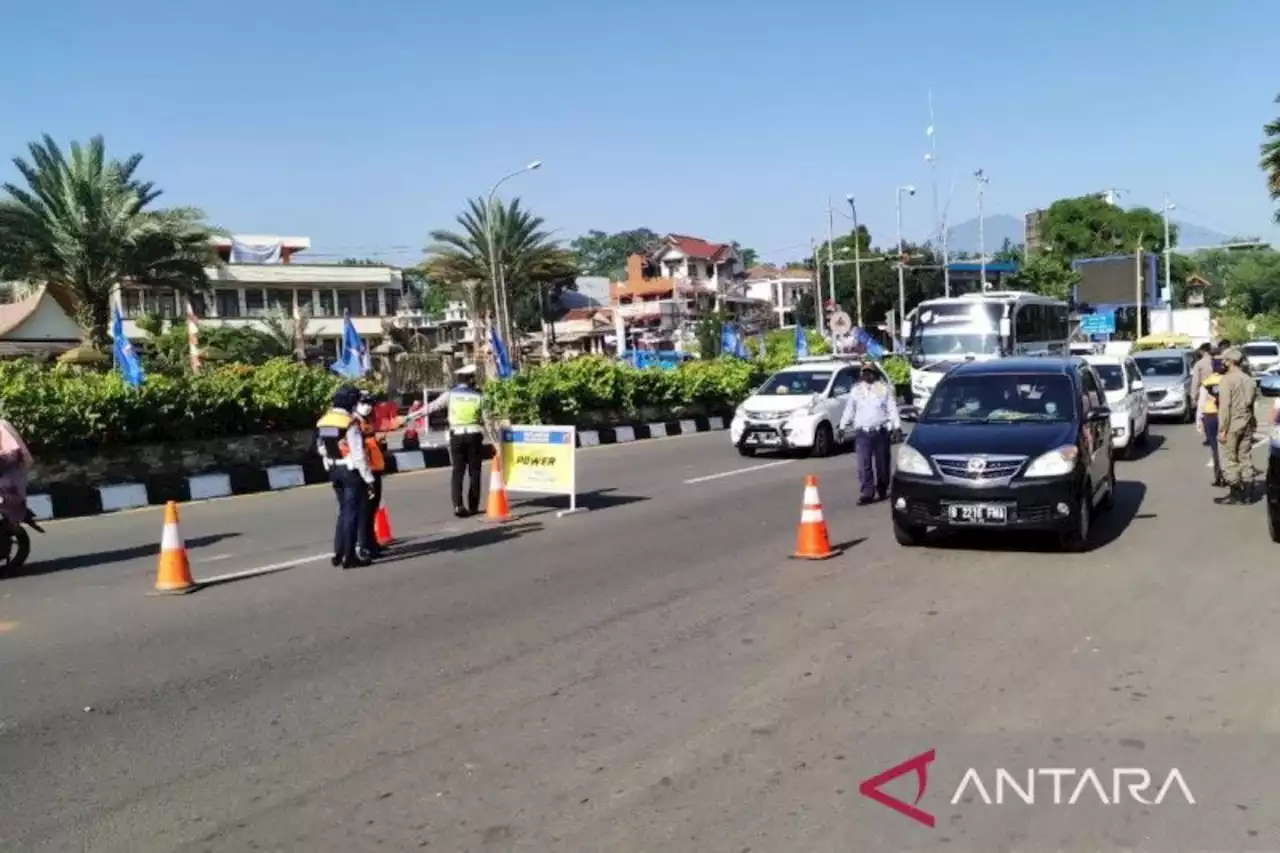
{"x":1001,"y":226}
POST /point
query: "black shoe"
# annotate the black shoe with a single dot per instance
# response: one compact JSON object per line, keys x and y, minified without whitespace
{"x":355,"y":563}
{"x":1219,"y":483}
{"x":1234,"y":497}
{"x":475,"y":510}
{"x":881,"y":496}
{"x":460,"y":512}
{"x":865,"y":501}
{"x":335,"y":561}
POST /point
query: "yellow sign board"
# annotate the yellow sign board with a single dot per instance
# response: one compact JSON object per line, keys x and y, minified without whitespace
{"x":541,"y":459}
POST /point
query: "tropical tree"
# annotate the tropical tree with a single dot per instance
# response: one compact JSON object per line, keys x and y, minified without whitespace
{"x":1271,"y":157}
{"x":460,"y":261}
{"x":84,"y":224}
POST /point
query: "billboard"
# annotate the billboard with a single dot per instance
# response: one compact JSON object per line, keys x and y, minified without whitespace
{"x":1113,"y":280}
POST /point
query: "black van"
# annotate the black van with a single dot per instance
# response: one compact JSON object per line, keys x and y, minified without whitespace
{"x":1010,"y":444}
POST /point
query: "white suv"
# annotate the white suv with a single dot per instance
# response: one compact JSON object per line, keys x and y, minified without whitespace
{"x":1126,"y":397}
{"x":798,"y":408}
{"x":1261,"y":355}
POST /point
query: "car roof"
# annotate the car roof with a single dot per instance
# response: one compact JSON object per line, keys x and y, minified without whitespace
{"x":1161,"y":353}
{"x":826,"y":364}
{"x":1018,"y":364}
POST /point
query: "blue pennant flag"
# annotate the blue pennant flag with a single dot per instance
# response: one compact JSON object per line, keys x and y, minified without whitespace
{"x":868,"y":343}
{"x":731,"y":342}
{"x":501,"y":361}
{"x":126,"y":357}
{"x":802,"y":342}
{"x":353,"y":355}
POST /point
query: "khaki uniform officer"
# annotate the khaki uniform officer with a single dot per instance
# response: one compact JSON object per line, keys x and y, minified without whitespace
{"x":1236,"y":424}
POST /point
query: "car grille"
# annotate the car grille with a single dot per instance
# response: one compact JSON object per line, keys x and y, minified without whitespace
{"x":1155,"y":396}
{"x":995,"y":468}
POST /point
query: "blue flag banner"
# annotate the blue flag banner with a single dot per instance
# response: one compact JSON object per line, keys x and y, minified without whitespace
{"x":126,"y":357}
{"x":802,"y":342}
{"x":868,"y":343}
{"x":500,"y":358}
{"x":353,"y":355}
{"x":731,"y":342}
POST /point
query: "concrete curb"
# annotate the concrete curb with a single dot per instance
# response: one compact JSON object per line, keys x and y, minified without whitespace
{"x":69,"y":501}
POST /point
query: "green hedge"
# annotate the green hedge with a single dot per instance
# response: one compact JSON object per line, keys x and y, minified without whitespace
{"x":62,"y":408}
{"x":593,"y":391}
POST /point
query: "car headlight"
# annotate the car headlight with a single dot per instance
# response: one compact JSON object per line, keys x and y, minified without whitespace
{"x":1055,"y":463}
{"x":912,"y":461}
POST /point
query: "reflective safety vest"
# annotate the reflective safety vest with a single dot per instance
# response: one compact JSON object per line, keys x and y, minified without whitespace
{"x":332,"y":429}
{"x":372,"y":448}
{"x":464,"y":407}
{"x":1211,"y":385}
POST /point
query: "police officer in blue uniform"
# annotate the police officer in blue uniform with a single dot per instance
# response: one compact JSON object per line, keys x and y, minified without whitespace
{"x":341,"y":445}
{"x":872,"y":413}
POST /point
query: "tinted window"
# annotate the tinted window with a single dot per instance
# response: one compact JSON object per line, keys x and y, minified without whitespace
{"x":962,"y":344}
{"x":844,"y":382}
{"x":1112,"y":376}
{"x":1161,"y":365}
{"x":798,"y":382}
{"x":1092,"y":397}
{"x":1264,"y":350}
{"x":1000,"y":397}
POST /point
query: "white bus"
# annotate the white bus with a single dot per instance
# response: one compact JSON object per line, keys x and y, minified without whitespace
{"x":942,"y":332}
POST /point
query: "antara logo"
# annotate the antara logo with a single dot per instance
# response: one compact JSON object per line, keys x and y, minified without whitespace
{"x":1046,"y":785}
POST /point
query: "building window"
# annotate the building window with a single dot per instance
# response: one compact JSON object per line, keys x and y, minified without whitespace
{"x":255,"y":302}
{"x":392,"y":298}
{"x":304,"y":301}
{"x":166,"y":304}
{"x":199,"y":304}
{"x":371,"y":306}
{"x":329,"y":346}
{"x":351,"y":302}
{"x":280,"y":301}
{"x":326,"y":304}
{"x":228,"y":302}
{"x":132,"y":303}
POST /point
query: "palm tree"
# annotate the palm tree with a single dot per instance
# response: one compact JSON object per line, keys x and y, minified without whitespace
{"x":1271,"y":157}
{"x":84,"y":224}
{"x":460,"y":261}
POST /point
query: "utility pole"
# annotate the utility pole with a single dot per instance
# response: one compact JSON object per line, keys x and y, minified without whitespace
{"x":902,"y":273}
{"x":1137,"y":269}
{"x":817,"y":279}
{"x":1168,"y":263}
{"x":939,"y":222}
{"x":831,"y":268}
{"x":983,"y":180}
{"x":857,"y":257}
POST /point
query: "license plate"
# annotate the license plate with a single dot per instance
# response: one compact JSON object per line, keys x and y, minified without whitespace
{"x":978,"y":513}
{"x":764,"y":438}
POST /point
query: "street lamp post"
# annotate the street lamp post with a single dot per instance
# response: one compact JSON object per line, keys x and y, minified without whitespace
{"x":497,"y":276}
{"x":983,"y":180}
{"x":909,"y":189}
{"x":857,"y":256}
{"x":1168,"y":262}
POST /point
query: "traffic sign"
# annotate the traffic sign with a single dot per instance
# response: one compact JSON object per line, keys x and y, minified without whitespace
{"x":840,"y":323}
{"x":1099,"y":324}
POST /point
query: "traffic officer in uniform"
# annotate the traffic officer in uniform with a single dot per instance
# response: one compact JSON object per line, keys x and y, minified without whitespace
{"x":375,"y":452}
{"x":466,"y":437}
{"x":341,"y":446}
{"x":872,"y":413}
{"x":1236,"y":424}
{"x":1207,"y":415}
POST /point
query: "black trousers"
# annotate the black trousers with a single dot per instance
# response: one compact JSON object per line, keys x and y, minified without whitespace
{"x":351,"y":492}
{"x":466,"y":452}
{"x":368,"y":512}
{"x":873,"y":462}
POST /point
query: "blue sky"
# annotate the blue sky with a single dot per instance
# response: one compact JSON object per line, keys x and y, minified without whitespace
{"x":365,"y":125}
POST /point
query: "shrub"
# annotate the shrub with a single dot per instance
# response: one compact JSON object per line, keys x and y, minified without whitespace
{"x":898,"y":368}
{"x":64,"y":408}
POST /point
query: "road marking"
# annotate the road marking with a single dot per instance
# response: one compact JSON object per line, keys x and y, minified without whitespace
{"x":265,"y":570}
{"x":738,"y":471}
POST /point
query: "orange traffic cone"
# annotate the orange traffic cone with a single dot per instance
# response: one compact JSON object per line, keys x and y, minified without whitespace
{"x":496,"y":508}
{"x":173,"y":574}
{"x":382,"y":527}
{"x":812,"y":542}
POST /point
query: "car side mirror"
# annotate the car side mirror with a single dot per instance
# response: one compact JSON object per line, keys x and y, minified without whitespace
{"x":1098,"y":413}
{"x":909,"y":414}
{"x":1137,"y":385}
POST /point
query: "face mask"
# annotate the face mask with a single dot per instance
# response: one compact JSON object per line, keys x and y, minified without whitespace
{"x":869,"y":378}
{"x":364,"y":410}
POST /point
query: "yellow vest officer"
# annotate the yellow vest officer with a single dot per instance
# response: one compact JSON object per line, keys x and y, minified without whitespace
{"x":341,"y":446}
{"x":466,"y":437}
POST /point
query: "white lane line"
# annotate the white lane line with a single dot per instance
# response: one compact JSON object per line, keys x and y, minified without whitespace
{"x":738,"y":471}
{"x":264,"y":570}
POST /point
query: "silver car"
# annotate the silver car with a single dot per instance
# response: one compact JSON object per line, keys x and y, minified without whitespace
{"x":1166,"y":377}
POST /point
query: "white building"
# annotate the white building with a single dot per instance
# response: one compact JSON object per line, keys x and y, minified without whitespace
{"x":260,"y":276}
{"x":781,"y":288}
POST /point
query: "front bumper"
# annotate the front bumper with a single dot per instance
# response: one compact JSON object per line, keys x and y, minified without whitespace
{"x":1168,"y":404}
{"x":794,"y":432}
{"x":1031,"y":504}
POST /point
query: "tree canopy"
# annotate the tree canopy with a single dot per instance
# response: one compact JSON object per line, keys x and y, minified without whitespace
{"x":1270,"y":161}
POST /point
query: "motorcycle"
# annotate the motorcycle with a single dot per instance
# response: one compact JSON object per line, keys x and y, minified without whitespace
{"x":15,"y":542}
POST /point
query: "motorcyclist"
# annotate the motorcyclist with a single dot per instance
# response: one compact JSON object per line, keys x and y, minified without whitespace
{"x":15,"y":467}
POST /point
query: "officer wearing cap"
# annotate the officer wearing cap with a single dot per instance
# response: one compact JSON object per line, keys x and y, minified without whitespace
{"x":466,"y":437}
{"x":341,"y":446}
{"x":1236,"y":424}
{"x":872,"y":413}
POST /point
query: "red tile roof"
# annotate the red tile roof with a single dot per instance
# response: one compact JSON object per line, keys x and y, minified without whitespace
{"x":696,"y":247}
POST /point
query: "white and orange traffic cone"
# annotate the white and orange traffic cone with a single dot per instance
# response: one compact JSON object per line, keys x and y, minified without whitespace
{"x":812,"y":541}
{"x":173,"y":573}
{"x":496,"y":508}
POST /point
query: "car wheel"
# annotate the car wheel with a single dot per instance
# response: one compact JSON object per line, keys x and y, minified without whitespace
{"x":822,"y":441}
{"x":907,"y":536}
{"x":746,"y":451}
{"x":1076,"y":539}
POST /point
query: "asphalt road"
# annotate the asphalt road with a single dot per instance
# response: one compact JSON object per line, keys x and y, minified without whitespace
{"x":652,"y":675}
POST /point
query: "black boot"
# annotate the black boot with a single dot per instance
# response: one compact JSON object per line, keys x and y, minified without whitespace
{"x":1233,"y":497}
{"x":1219,"y":483}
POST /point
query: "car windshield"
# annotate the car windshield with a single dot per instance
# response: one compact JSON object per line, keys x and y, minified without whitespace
{"x":947,"y":344}
{"x":1000,"y":398}
{"x":1164,"y":365}
{"x":1262,"y":350}
{"x":1112,"y":376}
{"x":796,"y":383}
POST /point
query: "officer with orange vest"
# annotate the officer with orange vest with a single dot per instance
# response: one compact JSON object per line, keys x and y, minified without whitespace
{"x":375,"y":452}
{"x":342,"y":447}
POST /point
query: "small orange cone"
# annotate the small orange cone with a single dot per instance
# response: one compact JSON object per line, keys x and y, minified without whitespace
{"x":382,"y":527}
{"x":496,"y":508}
{"x":173,"y":574}
{"x":812,"y":542}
